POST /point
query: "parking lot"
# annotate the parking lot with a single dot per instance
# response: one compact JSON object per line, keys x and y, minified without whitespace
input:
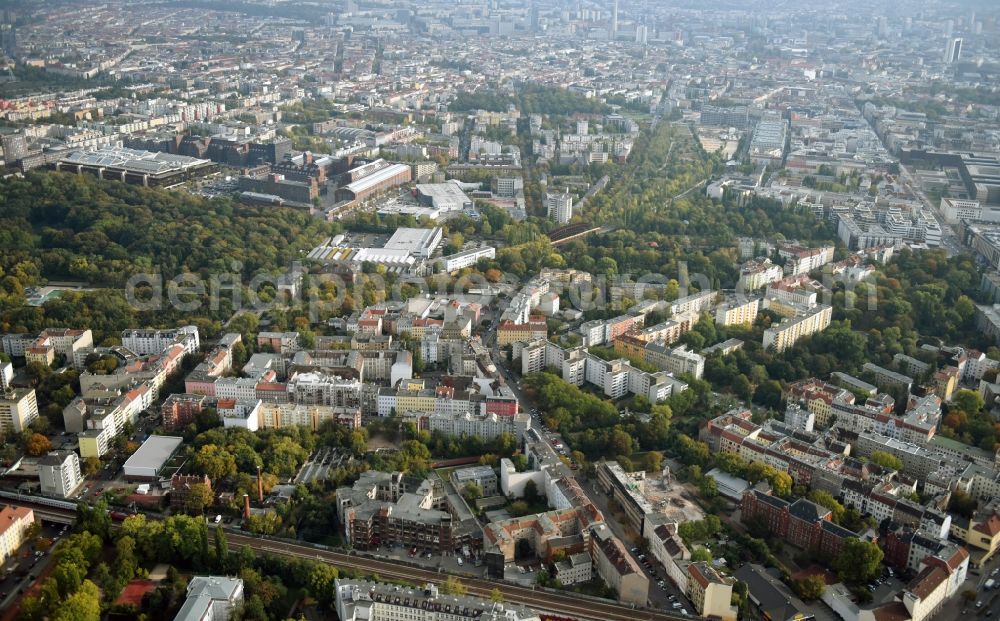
{"x":663,"y":593}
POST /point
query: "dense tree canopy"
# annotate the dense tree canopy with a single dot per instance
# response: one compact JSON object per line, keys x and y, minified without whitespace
{"x":60,"y":226}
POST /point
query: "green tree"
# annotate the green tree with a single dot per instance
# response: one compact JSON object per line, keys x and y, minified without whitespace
{"x":519,"y":508}
{"x":859,"y":561}
{"x":83,"y":605}
{"x":886,"y":460}
{"x":264,"y":524}
{"x":215,"y":461}
{"x":810,"y":587}
{"x":453,"y":586}
{"x":653,"y":461}
{"x":701,"y":554}
{"x":472,"y":492}
{"x":126,"y":562}
{"x":708,"y":487}
{"x":221,"y":549}
{"x":823,"y":498}
{"x":91,"y":466}
{"x":531,"y":494}
{"x":321,"y":582}
{"x":199,"y":497}
{"x":968,"y":401}
{"x":68,"y":577}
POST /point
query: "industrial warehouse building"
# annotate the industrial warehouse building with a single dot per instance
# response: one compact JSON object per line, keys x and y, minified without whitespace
{"x":145,"y":464}
{"x":134,"y":166}
{"x":371,"y":179}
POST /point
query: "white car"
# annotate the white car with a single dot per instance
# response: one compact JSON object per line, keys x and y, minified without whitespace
{"x":460,"y":561}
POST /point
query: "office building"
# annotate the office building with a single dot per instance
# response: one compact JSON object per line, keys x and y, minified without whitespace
{"x":466,"y":258}
{"x":483,"y":476}
{"x":507,"y":187}
{"x":15,"y":148}
{"x":953,"y":51}
{"x":613,"y":29}
{"x":717,"y":116}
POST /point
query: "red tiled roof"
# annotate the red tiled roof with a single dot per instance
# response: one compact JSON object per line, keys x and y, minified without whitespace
{"x":989,"y":527}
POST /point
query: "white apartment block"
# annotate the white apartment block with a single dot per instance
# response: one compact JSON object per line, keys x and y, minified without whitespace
{"x":575,"y":569}
{"x":6,"y":376}
{"x":150,"y":342}
{"x":676,"y":360}
{"x":488,"y":426}
{"x":756,"y":275}
{"x":14,"y":525}
{"x":786,"y":333}
{"x":694,"y":303}
{"x":735,"y":311}
{"x":799,"y":260}
{"x":359,"y":600}
{"x":18,"y":409}
{"x":59,"y":474}
{"x":616,"y":378}
{"x":560,"y":207}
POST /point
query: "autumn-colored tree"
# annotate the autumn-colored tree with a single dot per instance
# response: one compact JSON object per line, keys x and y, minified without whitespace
{"x":36,"y":444}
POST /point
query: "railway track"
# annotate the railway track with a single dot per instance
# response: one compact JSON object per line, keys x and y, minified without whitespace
{"x":583,"y":609}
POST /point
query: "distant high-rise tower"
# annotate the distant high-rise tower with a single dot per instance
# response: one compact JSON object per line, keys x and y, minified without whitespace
{"x":560,"y":207}
{"x":641,"y":34}
{"x":535,"y":27}
{"x":8,"y":35}
{"x":15,"y":148}
{"x":883,"y":26}
{"x":613,"y":31}
{"x":953,"y":51}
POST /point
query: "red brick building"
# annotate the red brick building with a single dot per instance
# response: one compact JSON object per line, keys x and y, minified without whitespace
{"x":802,"y":523}
{"x":179,"y":410}
{"x":180,"y":487}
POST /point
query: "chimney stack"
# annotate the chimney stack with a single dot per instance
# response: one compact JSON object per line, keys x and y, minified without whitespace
{"x":260,"y":487}
{"x":246,"y":506}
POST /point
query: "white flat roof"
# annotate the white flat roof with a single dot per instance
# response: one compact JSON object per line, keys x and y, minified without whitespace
{"x":376,"y":178}
{"x":414,"y":240}
{"x":153,"y":453}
